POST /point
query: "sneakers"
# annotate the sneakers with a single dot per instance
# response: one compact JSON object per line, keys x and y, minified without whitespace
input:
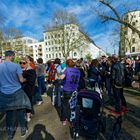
{"x":115,"y":113}
{"x":124,"y":109}
{"x":24,"y":132}
{"x":10,"y":137}
{"x":45,"y":95}
{"x":39,"y":102}
{"x":28,"y":119}
{"x":64,"y":123}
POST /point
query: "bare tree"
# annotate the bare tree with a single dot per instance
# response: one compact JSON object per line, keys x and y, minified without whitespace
{"x":63,"y":24}
{"x":116,"y":16}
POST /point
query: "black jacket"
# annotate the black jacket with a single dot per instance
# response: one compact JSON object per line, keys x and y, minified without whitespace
{"x":118,"y":74}
{"x":28,"y":86}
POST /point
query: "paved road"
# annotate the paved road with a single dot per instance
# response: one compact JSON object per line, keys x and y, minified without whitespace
{"x":45,"y":124}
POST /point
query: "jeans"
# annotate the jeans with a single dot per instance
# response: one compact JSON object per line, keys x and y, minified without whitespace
{"x":119,"y":98}
{"x":41,"y":87}
{"x":58,"y":92}
{"x":108,"y":86}
{"x":65,"y":112}
{"x":11,"y":117}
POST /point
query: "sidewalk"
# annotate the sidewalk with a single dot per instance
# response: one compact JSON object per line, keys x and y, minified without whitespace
{"x":45,"y":124}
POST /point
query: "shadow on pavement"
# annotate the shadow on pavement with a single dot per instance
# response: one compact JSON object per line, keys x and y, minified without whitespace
{"x":40,"y":133}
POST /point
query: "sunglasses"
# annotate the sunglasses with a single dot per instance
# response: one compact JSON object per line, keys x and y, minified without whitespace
{"x":22,"y":63}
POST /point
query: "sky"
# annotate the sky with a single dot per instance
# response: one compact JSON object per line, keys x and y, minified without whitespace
{"x":30,"y":16}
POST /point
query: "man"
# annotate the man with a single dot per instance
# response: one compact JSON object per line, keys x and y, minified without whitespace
{"x":118,"y":79}
{"x":12,"y":97}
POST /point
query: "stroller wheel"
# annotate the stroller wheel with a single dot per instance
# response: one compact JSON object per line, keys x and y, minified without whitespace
{"x":75,"y":136}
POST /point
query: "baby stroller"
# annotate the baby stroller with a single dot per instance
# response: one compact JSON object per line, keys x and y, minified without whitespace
{"x":86,"y":116}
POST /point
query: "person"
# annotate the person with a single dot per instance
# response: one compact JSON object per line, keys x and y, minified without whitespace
{"x":12,"y":97}
{"x":71,"y":77}
{"x":82,"y":76}
{"x":51,"y":72}
{"x":128,"y":72}
{"x":57,"y":82}
{"x":41,"y":72}
{"x":108,"y":82}
{"x":29,"y":85}
{"x":94,"y":73}
{"x":118,"y":79}
{"x":30,"y":61}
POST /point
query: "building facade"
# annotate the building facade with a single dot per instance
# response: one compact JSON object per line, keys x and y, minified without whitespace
{"x":19,"y":45}
{"x":39,"y":50}
{"x":129,"y":40}
{"x":69,"y":42}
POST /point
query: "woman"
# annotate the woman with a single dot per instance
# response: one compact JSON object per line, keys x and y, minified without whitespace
{"x":30,"y":61}
{"x":82,"y":76}
{"x":71,"y":78}
{"x":94,"y":73}
{"x":30,"y":75}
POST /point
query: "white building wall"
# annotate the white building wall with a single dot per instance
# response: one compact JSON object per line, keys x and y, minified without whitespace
{"x":134,"y":39}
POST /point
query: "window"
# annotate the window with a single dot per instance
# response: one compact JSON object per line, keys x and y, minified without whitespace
{"x":133,"y":32}
{"x":75,"y":54}
{"x":49,"y":49}
{"x":133,"y":23}
{"x":49,"y":55}
{"x":133,"y":40}
{"x":48,"y":37}
{"x":133,"y":49}
{"x":58,"y":35}
{"x":125,"y":32}
{"x":56,"y":55}
{"x":46,"y":43}
{"x":46,"y":55}
{"x":126,"y":49}
{"x":60,"y":55}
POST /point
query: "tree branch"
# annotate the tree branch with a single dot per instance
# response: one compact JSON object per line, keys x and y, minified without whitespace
{"x":112,"y":8}
{"x":122,"y":22}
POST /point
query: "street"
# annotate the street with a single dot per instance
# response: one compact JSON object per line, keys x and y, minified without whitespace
{"x":46,"y":125}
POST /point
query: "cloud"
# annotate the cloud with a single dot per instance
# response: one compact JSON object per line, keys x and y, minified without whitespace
{"x":105,"y":41}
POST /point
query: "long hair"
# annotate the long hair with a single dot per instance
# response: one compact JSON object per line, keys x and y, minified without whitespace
{"x":70,"y":63}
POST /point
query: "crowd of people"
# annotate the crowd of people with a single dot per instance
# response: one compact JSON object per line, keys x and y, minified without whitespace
{"x":23,"y":84}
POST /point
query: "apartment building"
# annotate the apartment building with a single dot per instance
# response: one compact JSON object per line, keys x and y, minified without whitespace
{"x":20,"y":45}
{"x":129,"y":40}
{"x":39,"y":50}
{"x":69,"y":42}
